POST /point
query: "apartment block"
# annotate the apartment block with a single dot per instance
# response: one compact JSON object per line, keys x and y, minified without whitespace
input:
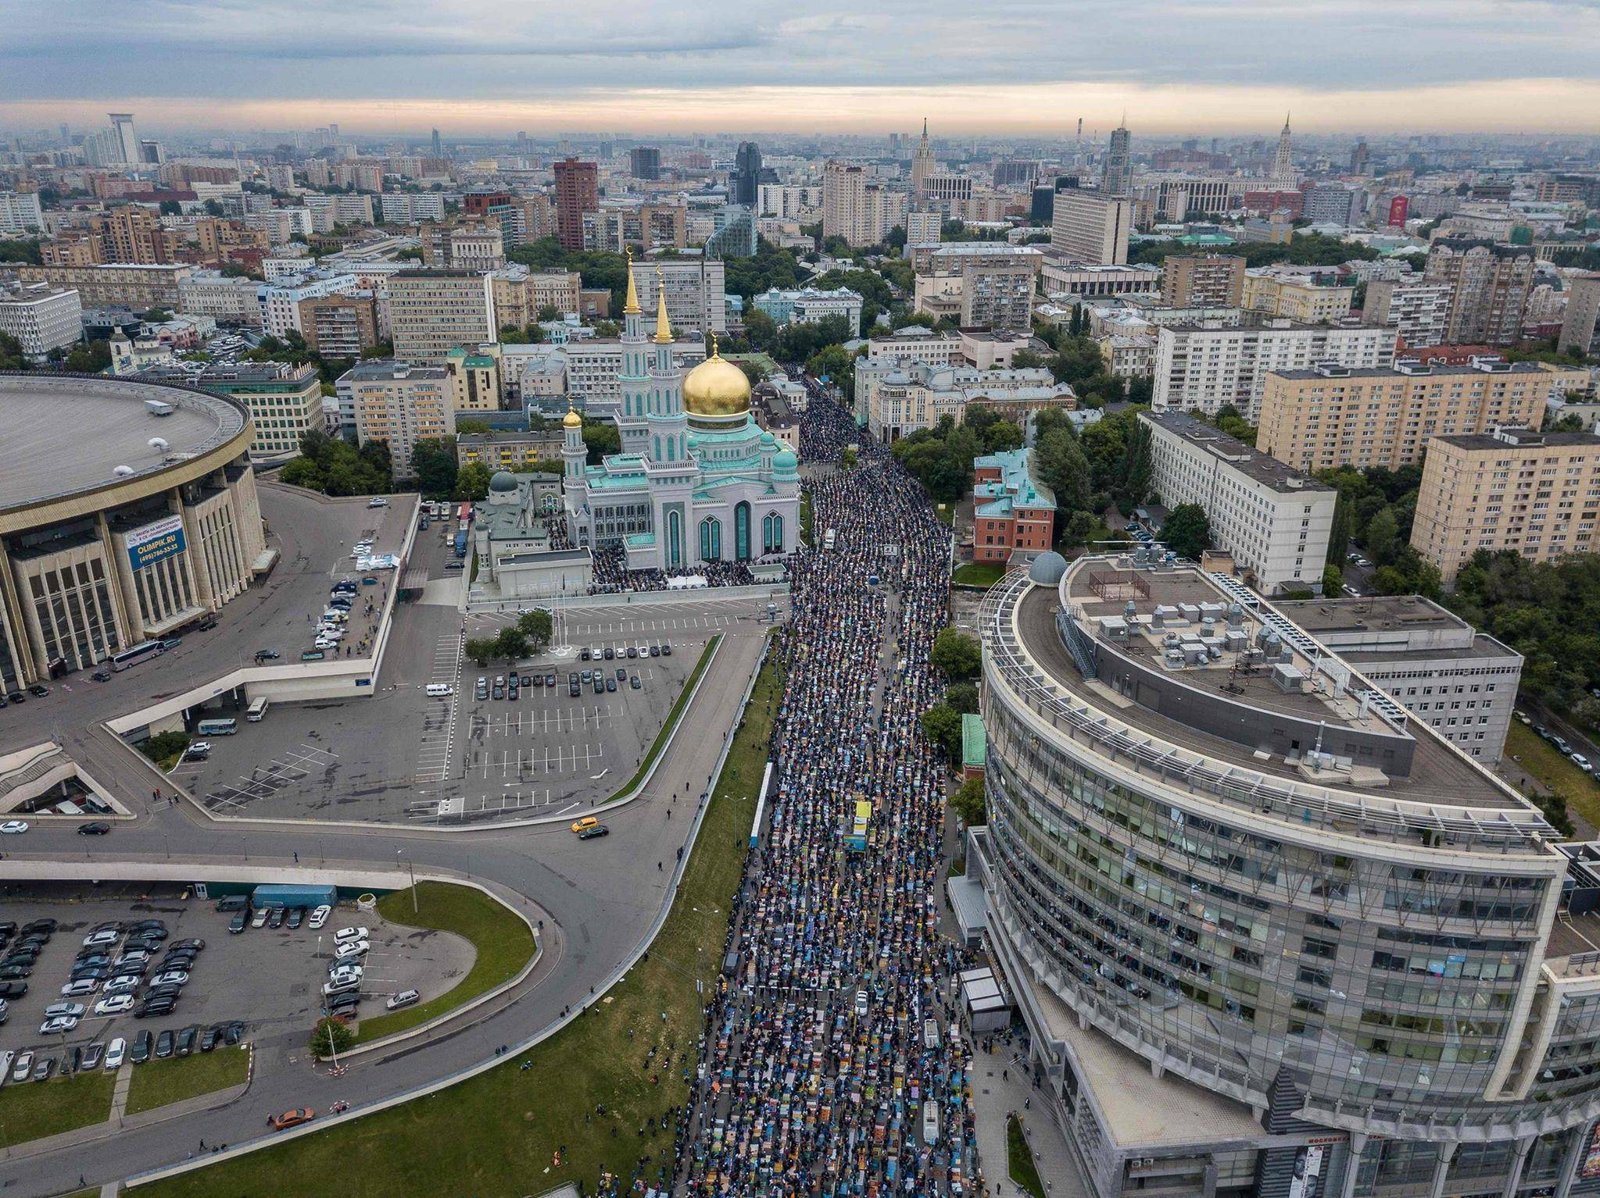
{"x":41,"y":317}
{"x":397,"y":402}
{"x":1489,"y":285}
{"x":280,"y":302}
{"x":20,"y":214}
{"x":116,"y":285}
{"x":329,"y":211}
{"x":695,"y":287}
{"x":1091,"y":227}
{"x":285,"y":401}
{"x":474,"y":381}
{"x":1537,"y":494}
{"x":1295,"y":298}
{"x":1273,"y":520}
{"x":340,"y":326}
{"x":899,"y":398}
{"x":502,"y":450}
{"x":411,"y":208}
{"x":577,"y":192}
{"x":432,"y":312}
{"x":1580,"y":327}
{"x":1201,"y":367}
{"x":810,"y":305}
{"x":462,"y":247}
{"x":1418,"y":310}
{"x":856,"y":207}
{"x":1335,"y":416}
{"x":1202,"y":281}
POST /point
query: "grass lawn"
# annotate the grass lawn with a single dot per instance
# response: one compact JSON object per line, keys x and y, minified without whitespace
{"x":1019,"y":1160}
{"x":946,"y":513}
{"x":159,"y":1083}
{"x":1545,"y":762}
{"x":979,"y":574}
{"x":805,"y":517}
{"x":34,"y":1109}
{"x":671,"y":721}
{"x":503,"y":942}
{"x":495,"y":1135}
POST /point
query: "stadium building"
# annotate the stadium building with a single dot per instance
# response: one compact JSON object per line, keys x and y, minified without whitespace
{"x":1270,"y":934}
{"x":127,"y":511}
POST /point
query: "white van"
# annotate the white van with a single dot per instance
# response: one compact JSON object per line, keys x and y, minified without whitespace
{"x":440,"y":690}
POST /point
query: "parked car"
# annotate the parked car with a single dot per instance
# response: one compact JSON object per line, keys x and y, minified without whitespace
{"x":405,"y":998}
{"x":319,"y":916}
{"x":238,"y":922}
{"x":94,"y":1055}
{"x":143,"y":1045}
{"x":351,"y":934}
{"x":117,"y":1004}
{"x":187,"y":1039}
{"x":292,"y":1118}
{"x":166,"y":1044}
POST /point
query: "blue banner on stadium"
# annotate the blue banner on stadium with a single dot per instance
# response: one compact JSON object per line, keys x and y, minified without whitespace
{"x":155,"y":542}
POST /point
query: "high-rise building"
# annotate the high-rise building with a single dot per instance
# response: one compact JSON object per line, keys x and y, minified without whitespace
{"x":733,"y":234}
{"x":1418,"y":310}
{"x":20,"y":214}
{"x":644,"y":162}
{"x":744,"y":181}
{"x":1184,"y":821}
{"x":1283,"y":172}
{"x":1580,"y":327}
{"x":41,"y":317}
{"x":1275,"y":521}
{"x":859,"y":211}
{"x":438,"y":149}
{"x":1535,"y":493}
{"x":1200,"y":367}
{"x":1360,"y":158}
{"x":434,"y":311}
{"x":577,"y":192}
{"x":1202,"y":281}
{"x":1489,"y":286}
{"x":922,"y":163}
{"x":1332,"y":416}
{"x":1116,"y":176}
{"x":1092,"y":227}
{"x":125,"y":141}
{"x":695,"y":290}
{"x":397,"y":402}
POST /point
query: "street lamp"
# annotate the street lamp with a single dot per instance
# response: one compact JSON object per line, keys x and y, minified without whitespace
{"x":411,"y":870}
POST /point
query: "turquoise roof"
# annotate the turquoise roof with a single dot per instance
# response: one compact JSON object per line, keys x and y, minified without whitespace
{"x":640,"y":540}
{"x":1016,"y":487}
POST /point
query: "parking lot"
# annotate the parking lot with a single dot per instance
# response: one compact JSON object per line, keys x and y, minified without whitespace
{"x":268,"y":978}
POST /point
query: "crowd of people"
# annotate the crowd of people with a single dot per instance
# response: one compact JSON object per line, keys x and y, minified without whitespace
{"x":833,"y":1060}
{"x":612,"y":576}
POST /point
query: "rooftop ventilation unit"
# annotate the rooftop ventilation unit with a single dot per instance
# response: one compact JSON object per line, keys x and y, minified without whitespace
{"x":158,"y":407}
{"x":159,"y":444}
{"x":124,"y":472}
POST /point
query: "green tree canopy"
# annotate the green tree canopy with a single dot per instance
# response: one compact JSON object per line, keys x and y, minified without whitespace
{"x":433,"y":460}
{"x":942,"y":726}
{"x":472,"y":482}
{"x":537,"y":627}
{"x":956,"y":655}
{"x":1187,"y":531}
{"x":967,"y":802}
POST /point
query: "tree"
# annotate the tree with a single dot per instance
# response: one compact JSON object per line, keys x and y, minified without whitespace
{"x":752,"y":370}
{"x":968,"y":803}
{"x":472,"y":482}
{"x":1027,"y":359}
{"x":537,"y":627}
{"x":847,"y":458}
{"x":21,"y":251}
{"x":481,"y":648}
{"x":600,"y":437}
{"x":511,"y":644}
{"x":92,"y":357}
{"x":331,"y":1036}
{"x":956,"y":655}
{"x":962,"y":697}
{"x":549,"y":312}
{"x":1063,"y":468}
{"x":433,"y":460}
{"x":1383,"y":537}
{"x":11,"y":356}
{"x":1187,"y":531}
{"x":942,"y":726}
{"x":759,"y":328}
{"x":1332,"y":579}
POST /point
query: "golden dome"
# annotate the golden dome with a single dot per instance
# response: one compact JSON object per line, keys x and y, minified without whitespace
{"x":572,"y":419}
{"x":716,"y":387}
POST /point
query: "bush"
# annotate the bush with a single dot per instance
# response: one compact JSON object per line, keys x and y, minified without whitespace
{"x":164,"y":745}
{"x":331,"y":1036}
{"x":968,"y":802}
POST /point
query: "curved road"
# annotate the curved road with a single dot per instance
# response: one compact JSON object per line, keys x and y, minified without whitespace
{"x":600,"y":896}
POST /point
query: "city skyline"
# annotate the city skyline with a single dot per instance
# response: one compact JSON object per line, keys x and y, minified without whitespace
{"x":485,"y":67}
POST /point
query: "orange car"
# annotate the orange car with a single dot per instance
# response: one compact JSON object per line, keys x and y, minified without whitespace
{"x":292,"y":1118}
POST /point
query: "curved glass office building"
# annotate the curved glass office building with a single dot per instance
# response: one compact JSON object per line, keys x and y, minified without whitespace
{"x":1270,"y":935}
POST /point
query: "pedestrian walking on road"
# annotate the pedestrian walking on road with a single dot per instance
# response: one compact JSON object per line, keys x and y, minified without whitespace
{"x":297,"y":858}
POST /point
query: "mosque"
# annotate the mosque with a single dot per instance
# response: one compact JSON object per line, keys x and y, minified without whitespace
{"x":696,"y":479}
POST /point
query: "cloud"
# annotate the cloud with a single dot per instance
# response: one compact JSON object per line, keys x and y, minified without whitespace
{"x":552,"y":56}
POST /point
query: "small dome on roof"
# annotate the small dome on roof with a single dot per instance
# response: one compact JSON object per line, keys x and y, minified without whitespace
{"x":785,"y":462}
{"x":1047,"y":569}
{"x":503,"y":480}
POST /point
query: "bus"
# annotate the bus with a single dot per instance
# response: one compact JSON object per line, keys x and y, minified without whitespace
{"x":133,"y":656}
{"x":217,"y":727}
{"x":257,"y":710}
{"x":828,"y":538}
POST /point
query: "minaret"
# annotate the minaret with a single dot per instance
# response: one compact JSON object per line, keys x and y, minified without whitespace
{"x":668,"y":427}
{"x":1283,"y":161}
{"x":634,"y":378}
{"x":922,"y":164}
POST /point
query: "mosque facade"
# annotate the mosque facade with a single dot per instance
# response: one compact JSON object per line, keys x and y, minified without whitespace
{"x":696,"y":480}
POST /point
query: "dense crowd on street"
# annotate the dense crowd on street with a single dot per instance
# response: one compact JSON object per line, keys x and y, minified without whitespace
{"x":612,"y":576}
{"x":833,"y":1063}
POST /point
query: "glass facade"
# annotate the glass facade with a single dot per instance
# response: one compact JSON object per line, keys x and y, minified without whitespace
{"x":1398,"y":980}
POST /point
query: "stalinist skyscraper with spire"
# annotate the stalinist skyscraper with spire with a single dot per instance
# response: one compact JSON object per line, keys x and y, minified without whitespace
{"x":1283,"y":172}
{"x":922,"y":165}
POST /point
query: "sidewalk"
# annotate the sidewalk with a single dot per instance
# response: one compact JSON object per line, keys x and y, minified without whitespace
{"x":992,"y":1099}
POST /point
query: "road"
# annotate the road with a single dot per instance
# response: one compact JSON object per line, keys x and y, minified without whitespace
{"x":598,"y":898}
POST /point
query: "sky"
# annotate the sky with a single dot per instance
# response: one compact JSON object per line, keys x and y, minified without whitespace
{"x":1003,"y":67}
